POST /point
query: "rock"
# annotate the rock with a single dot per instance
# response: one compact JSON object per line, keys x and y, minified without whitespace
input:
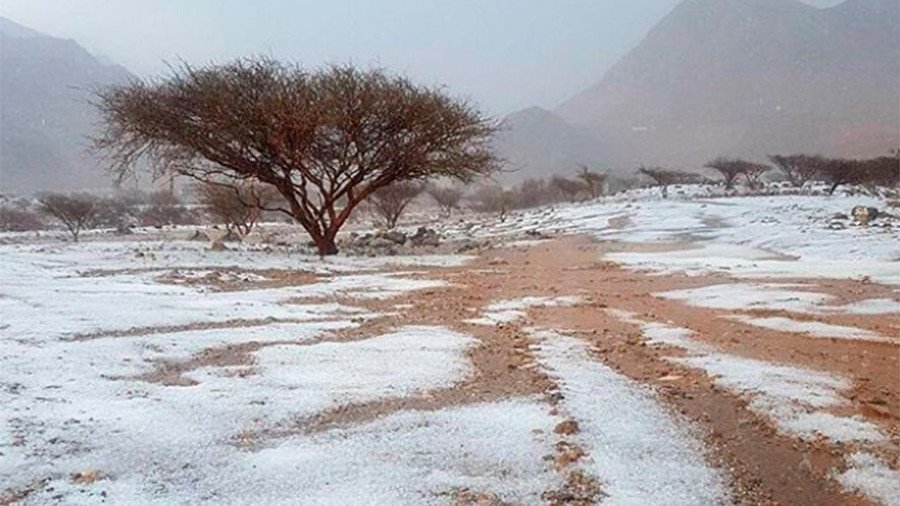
{"x":217,"y":246}
{"x":864,"y":214}
{"x":840,"y":216}
{"x":567,"y":428}
{"x":395,"y":236}
{"x":124,"y":230}
{"x":85,"y":477}
{"x":380,"y":242}
{"x":425,"y":237}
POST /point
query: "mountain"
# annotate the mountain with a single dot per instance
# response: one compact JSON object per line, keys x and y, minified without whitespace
{"x":536,"y":142}
{"x":751,"y":77}
{"x":46,"y":118}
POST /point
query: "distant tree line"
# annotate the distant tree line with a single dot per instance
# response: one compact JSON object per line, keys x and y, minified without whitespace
{"x":79,"y":211}
{"x":797,"y":170}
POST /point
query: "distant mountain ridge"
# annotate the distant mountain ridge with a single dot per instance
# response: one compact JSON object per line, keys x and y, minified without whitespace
{"x":46,"y":117}
{"x":750,"y":77}
{"x":535,"y":142}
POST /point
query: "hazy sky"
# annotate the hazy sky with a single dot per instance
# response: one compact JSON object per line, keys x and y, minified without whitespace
{"x":504,"y":54}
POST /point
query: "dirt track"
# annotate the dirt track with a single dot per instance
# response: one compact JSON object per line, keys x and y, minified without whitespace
{"x":765,"y":467}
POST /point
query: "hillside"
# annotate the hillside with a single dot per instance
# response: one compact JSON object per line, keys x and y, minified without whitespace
{"x":45,"y":88}
{"x":750,"y":77}
{"x":536,"y":142}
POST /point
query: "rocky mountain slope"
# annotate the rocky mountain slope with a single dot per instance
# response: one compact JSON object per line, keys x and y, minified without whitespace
{"x":46,"y":86}
{"x":750,"y":77}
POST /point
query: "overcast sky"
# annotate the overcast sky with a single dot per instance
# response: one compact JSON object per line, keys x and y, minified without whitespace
{"x":504,"y":54}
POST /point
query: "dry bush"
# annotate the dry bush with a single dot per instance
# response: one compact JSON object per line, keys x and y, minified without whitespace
{"x":238,"y":206}
{"x":592,"y":181}
{"x":75,"y":212}
{"x":164,"y":208}
{"x":798,"y":169}
{"x":569,"y":189}
{"x":390,"y":201}
{"x":447,"y":197}
{"x":325,"y":139}
{"x":532,"y":193}
{"x":492,"y":199}
{"x":18,"y":218}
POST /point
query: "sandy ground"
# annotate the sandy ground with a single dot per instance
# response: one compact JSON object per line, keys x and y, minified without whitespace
{"x":763,"y":464}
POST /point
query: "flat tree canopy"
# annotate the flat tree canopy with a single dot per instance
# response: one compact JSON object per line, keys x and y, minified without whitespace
{"x":325,"y":139}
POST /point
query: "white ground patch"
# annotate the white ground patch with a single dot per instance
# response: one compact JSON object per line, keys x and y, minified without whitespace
{"x":815,"y":329}
{"x":640,"y":452}
{"x":157,"y":443}
{"x":746,"y":296}
{"x":767,"y":236}
{"x":870,"y":306}
{"x":799,"y":401}
{"x":508,"y":311}
{"x":43,"y":295}
{"x":775,"y":296}
{"x":870,"y":477}
{"x":795,"y":398}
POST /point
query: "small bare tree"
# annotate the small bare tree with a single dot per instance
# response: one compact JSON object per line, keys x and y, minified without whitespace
{"x":326,"y":140}
{"x":753,"y":173}
{"x":798,"y":169}
{"x":533,"y":193}
{"x":729,"y":168}
{"x":664,"y":177}
{"x":593,"y":181}
{"x":569,"y":189}
{"x":881,"y":171}
{"x":238,"y":207}
{"x":390,"y":201}
{"x":447,"y":197}
{"x":164,"y":208}
{"x":492,"y":199}
{"x":75,"y":212}
{"x":839,"y":171}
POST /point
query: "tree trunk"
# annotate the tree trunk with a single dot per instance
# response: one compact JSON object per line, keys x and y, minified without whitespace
{"x":325,"y":245}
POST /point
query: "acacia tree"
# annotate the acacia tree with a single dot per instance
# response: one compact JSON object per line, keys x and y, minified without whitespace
{"x":664,"y":177}
{"x":753,"y":173}
{"x":838,"y":171}
{"x":390,"y":201}
{"x":239,"y":207}
{"x":881,"y":171}
{"x":593,"y":181}
{"x":326,"y":139}
{"x":798,"y":169}
{"x":729,"y":168}
{"x":74,"y":211}
{"x":447,"y":197}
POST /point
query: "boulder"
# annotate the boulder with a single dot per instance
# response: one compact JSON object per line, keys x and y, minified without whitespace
{"x":864,"y":214}
{"x":395,"y":236}
{"x":425,"y":237}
